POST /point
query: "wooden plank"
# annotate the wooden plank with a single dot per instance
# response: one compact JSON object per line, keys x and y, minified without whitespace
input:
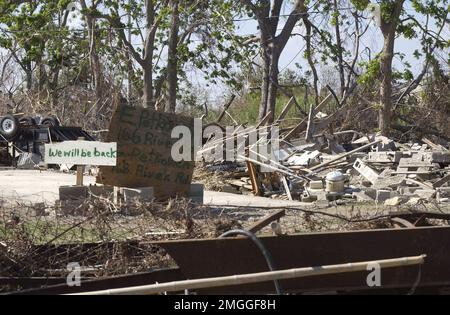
{"x":259,"y":225}
{"x":442,"y":181}
{"x":264,"y":120}
{"x":222,"y":114}
{"x":144,"y":146}
{"x":286,"y":110}
{"x":433,"y":145}
{"x":303,"y":124}
{"x":256,"y":184}
{"x":345,"y":155}
{"x":286,"y":187}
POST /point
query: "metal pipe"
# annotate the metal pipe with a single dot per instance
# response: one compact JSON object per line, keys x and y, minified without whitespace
{"x":177,"y":286}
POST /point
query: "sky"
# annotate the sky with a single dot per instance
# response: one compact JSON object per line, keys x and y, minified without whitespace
{"x":293,"y":52}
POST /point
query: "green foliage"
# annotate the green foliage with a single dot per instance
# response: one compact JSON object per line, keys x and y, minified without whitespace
{"x":373,"y":70}
{"x":360,"y":4}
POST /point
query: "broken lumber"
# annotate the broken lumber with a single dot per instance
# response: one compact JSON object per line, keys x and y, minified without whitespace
{"x":340,"y":157}
{"x":223,"y":113}
{"x":285,"y":110}
{"x":442,"y":181}
{"x":259,"y":225}
{"x":303,"y":124}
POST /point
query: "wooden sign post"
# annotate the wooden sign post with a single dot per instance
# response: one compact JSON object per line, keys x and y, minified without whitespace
{"x":81,"y":153}
{"x":80,"y":169}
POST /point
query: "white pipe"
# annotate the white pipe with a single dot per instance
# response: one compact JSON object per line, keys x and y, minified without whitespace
{"x":176,"y":286}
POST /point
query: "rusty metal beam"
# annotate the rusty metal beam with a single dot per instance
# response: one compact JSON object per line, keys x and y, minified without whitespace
{"x":230,"y":256}
{"x":158,"y":276}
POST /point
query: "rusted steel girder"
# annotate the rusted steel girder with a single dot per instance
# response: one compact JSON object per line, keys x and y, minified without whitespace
{"x":232,"y":256}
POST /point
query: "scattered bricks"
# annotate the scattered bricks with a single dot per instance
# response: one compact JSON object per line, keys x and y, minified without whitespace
{"x":425,"y":193}
{"x":384,"y":157}
{"x":196,"y":193}
{"x":366,"y":171}
{"x":316,"y":184}
{"x":143,"y":194}
{"x":72,"y":193}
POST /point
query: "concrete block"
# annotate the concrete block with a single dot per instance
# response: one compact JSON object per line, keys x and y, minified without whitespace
{"x":72,"y":193}
{"x":366,"y":171}
{"x":316,"y":184}
{"x":384,"y":157}
{"x":437,"y":157}
{"x":143,"y":194}
{"x":197,"y":193}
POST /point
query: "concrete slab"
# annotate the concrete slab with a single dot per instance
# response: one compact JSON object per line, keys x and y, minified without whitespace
{"x":43,"y":186}
{"x":34,"y":185}
{"x":226,"y":199}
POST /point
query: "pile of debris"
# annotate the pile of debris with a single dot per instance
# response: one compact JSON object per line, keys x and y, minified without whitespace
{"x":330,"y":166}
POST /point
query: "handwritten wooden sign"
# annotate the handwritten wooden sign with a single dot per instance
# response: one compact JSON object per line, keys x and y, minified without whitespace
{"x":144,"y":146}
{"x":81,"y":153}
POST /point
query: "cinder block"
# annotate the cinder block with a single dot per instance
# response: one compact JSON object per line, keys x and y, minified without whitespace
{"x":316,"y":184}
{"x":366,"y":171}
{"x":72,"y":193}
{"x":197,"y":192}
{"x":384,"y":157}
{"x":143,"y":194}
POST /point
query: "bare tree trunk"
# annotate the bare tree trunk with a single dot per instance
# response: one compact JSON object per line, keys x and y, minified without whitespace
{"x":273,"y":87}
{"x":93,"y":55}
{"x":272,"y":45}
{"x":147,"y":64}
{"x":148,"y":101}
{"x":339,"y":47}
{"x":264,"y":88}
{"x":385,"y":114}
{"x":172,"y":63}
{"x":388,"y":28}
